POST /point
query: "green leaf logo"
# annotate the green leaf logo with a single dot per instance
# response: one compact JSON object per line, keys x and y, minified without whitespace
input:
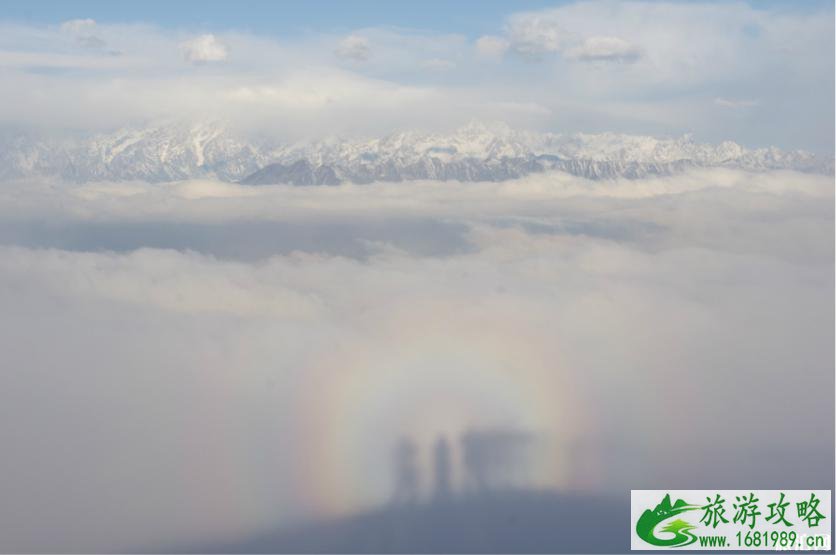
{"x":680,"y":529}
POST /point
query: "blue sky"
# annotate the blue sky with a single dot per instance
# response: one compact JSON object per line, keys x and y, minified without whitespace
{"x":470,"y":17}
{"x":758,"y":73}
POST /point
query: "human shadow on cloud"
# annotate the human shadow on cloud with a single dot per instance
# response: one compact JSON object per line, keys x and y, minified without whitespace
{"x":492,"y":511}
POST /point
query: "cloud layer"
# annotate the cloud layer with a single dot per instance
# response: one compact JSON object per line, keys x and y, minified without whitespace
{"x":639,"y":67}
{"x":228,"y":358}
{"x":354,"y":47}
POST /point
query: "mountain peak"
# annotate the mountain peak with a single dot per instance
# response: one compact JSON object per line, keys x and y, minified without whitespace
{"x":477,"y":151}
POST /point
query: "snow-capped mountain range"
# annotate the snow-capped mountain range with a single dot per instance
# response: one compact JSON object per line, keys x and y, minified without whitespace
{"x":476,"y":152}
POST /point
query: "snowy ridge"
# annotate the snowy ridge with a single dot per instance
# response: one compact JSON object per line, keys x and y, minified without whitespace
{"x":475,"y":152}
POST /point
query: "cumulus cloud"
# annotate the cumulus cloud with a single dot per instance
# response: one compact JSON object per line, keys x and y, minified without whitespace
{"x":536,"y":33}
{"x":204,"y":49}
{"x":78,"y":26}
{"x":355,"y":48}
{"x":83,"y":30}
{"x":690,"y":54}
{"x":607,"y":49}
{"x":492,"y":46}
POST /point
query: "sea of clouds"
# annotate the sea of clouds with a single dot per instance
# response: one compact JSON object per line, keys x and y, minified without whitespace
{"x":170,"y":351}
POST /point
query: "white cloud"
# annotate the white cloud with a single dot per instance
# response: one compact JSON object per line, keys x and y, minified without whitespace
{"x":203,"y":49}
{"x":735,"y":103}
{"x":78,"y":26}
{"x":492,"y":46}
{"x":690,"y":55}
{"x":83,"y":30}
{"x":438,"y":64}
{"x":151,"y":364}
{"x":536,"y":33}
{"x":607,"y":49}
{"x":355,"y":48}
